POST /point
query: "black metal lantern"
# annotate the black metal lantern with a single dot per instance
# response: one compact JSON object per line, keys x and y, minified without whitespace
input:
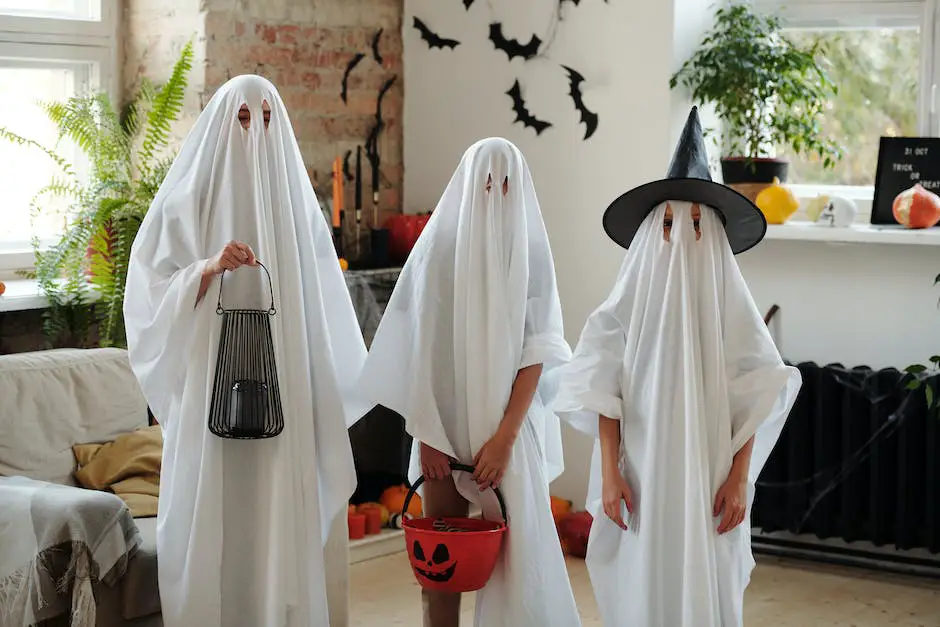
{"x":246,"y":400}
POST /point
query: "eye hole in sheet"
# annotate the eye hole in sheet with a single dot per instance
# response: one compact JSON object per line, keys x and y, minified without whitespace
{"x":266,"y":113}
{"x":667,"y":223}
{"x":696,"y":221}
{"x":244,"y":117}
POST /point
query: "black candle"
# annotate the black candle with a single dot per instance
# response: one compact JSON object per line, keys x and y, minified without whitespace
{"x":375,"y":173}
{"x":358,"y":180}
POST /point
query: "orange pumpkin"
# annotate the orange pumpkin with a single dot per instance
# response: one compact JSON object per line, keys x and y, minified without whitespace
{"x":560,"y":507}
{"x":917,"y":208}
{"x":393,"y":499}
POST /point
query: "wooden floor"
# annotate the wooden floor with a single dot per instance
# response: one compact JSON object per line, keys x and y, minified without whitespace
{"x":782,"y":594}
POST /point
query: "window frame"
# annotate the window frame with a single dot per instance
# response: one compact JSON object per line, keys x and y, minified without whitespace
{"x":69,"y":40}
{"x":808,"y":14}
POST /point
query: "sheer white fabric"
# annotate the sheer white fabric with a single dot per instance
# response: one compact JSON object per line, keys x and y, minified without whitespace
{"x":242,"y":524}
{"x":680,"y":354}
{"x":475,"y":303}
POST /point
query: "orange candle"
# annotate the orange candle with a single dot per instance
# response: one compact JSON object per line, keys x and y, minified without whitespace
{"x":337,"y":191}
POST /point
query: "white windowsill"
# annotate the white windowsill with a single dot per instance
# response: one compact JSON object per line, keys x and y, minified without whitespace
{"x":22,"y":295}
{"x":858,"y":233}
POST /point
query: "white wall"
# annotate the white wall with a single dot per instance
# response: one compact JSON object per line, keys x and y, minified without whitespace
{"x":855,"y":304}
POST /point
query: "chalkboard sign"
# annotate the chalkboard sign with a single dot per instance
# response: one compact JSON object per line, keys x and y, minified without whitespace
{"x":903,"y":162}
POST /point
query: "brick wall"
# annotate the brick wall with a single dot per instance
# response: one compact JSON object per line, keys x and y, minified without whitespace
{"x":303,"y":47}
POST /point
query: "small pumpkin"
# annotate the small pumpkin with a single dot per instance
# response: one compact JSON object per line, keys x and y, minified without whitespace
{"x":362,"y":509}
{"x":777,"y":203}
{"x":560,"y":507}
{"x":917,"y":208}
{"x":404,"y":230}
{"x":575,"y":529}
{"x":393,"y":499}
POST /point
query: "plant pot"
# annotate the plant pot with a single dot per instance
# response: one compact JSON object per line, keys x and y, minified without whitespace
{"x":749,"y":176}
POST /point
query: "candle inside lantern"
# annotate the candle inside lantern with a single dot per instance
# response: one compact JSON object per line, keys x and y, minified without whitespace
{"x":337,"y":191}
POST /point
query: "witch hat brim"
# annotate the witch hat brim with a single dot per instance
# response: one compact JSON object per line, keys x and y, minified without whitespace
{"x":688,"y":180}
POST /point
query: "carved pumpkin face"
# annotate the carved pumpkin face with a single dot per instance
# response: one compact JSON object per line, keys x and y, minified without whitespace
{"x":439,"y":568}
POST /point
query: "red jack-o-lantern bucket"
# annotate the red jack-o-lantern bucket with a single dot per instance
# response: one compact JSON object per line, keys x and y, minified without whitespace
{"x":453,"y":554}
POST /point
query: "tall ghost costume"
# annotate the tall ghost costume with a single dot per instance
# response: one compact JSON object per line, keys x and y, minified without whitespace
{"x":680,"y":355}
{"x":249,"y":533}
{"x":477,"y":302}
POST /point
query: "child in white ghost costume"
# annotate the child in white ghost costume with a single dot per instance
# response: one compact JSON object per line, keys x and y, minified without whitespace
{"x":467,"y":352}
{"x":249,"y":533}
{"x":678,"y":377}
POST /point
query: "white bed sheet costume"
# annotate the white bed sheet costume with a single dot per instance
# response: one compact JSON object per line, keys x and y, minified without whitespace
{"x":475,"y":303}
{"x":242,"y":525}
{"x":680,"y":355}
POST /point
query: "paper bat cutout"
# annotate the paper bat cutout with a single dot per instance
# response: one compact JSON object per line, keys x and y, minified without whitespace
{"x":588,"y":117}
{"x":467,"y":4}
{"x":433,"y":39}
{"x":372,"y":142}
{"x":375,"y":46}
{"x":512,"y":47}
{"x":349,"y":68}
{"x":346,"y":171}
{"x":522,"y":113}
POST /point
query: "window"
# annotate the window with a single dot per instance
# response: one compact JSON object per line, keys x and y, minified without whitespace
{"x":50,"y":50}
{"x":882,"y":55}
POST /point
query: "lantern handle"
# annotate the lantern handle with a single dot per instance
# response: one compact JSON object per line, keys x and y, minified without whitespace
{"x":458,"y":467}
{"x":271,"y":310}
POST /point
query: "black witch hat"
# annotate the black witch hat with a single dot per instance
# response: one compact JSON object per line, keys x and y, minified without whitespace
{"x":688,"y":180}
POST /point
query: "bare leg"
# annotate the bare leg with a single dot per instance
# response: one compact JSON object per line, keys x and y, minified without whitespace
{"x":442,"y":609}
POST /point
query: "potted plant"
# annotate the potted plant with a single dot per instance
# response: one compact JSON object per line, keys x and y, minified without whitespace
{"x":767,"y":91}
{"x":83,"y":274}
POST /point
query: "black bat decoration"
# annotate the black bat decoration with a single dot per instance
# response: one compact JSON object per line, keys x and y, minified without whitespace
{"x":512,"y":47}
{"x":588,"y":117}
{"x":346,"y":172}
{"x":433,"y":39}
{"x":375,"y":46}
{"x":349,"y":68}
{"x":372,"y":142}
{"x":467,"y":4}
{"x":522,"y":113}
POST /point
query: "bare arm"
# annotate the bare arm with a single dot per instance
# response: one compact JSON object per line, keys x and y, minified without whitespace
{"x":492,"y":459}
{"x":742,"y":461}
{"x":614,"y":488}
{"x":523,"y":390}
{"x":609,"y":432}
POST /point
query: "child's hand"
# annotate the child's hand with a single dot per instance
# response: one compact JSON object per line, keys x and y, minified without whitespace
{"x":492,"y":460}
{"x":731,"y":501}
{"x":614,"y":491}
{"x":434,"y":464}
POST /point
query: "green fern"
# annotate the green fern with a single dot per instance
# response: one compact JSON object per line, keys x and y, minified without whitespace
{"x":84,"y":273}
{"x":167,"y":105}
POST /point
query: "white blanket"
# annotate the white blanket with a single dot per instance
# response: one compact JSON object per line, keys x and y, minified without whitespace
{"x":55,"y":543}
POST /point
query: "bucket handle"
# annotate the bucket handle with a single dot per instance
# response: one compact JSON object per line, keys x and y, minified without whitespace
{"x":271,"y":310}
{"x":453,"y":466}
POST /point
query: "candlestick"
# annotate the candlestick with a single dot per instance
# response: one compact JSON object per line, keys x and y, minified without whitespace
{"x":337,"y":191}
{"x":358,"y":181}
